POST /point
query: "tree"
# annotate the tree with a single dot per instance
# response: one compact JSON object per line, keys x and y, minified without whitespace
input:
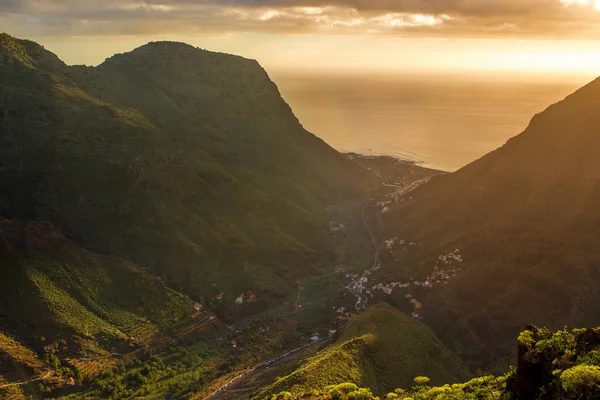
{"x":422,"y":380}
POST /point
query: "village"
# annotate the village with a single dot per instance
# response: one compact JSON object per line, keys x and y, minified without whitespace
{"x":364,"y":285}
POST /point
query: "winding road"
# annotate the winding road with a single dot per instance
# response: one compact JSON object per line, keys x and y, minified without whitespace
{"x":41,"y":378}
{"x":361,"y":298}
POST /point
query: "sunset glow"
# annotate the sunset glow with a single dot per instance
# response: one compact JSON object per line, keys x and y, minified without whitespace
{"x":544,"y":36}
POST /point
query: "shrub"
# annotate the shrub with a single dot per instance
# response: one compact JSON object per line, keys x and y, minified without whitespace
{"x":436,"y":391}
{"x":360,"y":394}
{"x":343,"y":388}
{"x":581,"y":378}
{"x":421,"y":380}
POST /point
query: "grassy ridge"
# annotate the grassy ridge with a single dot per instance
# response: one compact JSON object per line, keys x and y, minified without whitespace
{"x":381,"y":349}
{"x":561,"y":365}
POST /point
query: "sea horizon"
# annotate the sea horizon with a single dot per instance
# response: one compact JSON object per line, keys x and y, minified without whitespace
{"x":441,"y":121}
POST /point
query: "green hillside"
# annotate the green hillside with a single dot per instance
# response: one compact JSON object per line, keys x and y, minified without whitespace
{"x":560,"y":365}
{"x":72,"y":306}
{"x":381,"y":349}
{"x":173,"y":157}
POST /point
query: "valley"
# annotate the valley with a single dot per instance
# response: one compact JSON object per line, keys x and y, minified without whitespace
{"x":169,"y":230}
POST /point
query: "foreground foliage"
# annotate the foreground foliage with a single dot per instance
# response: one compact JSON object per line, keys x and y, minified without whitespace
{"x":551,"y":366}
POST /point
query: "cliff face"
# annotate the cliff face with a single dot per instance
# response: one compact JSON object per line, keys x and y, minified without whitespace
{"x":526,"y":221}
{"x":177,"y":158}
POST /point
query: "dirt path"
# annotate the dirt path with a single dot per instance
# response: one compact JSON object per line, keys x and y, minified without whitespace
{"x":236,"y":380}
{"x":41,"y":378}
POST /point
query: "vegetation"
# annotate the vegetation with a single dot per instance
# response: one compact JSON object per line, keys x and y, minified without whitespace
{"x":184,"y":168}
{"x":173,"y":374}
{"x":524,"y":222}
{"x":178,"y":159}
{"x":66,"y":304}
{"x":552,"y":365}
{"x":380,"y":349}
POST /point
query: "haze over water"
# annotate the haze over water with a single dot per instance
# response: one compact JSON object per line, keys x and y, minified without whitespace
{"x":445,"y":122}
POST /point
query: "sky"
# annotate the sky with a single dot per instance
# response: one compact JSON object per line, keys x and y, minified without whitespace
{"x":520,"y":36}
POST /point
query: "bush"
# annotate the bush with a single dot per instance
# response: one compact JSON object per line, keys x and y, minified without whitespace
{"x":360,"y":394}
{"x":342,"y":388}
{"x":581,"y":378}
{"x":436,"y":391}
{"x":422,"y":380}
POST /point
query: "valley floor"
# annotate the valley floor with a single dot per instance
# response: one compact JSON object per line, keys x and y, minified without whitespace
{"x":226,"y":358}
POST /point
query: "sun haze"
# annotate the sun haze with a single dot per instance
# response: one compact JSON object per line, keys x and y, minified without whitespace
{"x":538,"y":36}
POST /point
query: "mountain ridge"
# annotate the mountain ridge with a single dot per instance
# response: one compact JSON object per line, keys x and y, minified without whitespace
{"x":525,"y":222}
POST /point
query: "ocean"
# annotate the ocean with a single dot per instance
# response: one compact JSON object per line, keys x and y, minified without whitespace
{"x":444,"y":122}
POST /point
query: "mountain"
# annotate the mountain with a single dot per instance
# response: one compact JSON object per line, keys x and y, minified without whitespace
{"x":526,"y":222}
{"x":381,"y":349}
{"x":175,"y":158}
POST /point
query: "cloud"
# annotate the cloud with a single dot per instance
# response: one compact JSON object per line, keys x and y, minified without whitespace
{"x":520,"y":18}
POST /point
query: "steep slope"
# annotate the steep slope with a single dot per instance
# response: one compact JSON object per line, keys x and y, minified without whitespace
{"x":173,"y":157}
{"x":381,"y":349}
{"x":53,"y":288}
{"x":526,"y":221}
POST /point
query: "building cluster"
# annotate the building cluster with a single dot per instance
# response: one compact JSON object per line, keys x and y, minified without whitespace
{"x":389,"y":288}
{"x":389,"y":244}
{"x":346,"y":316}
{"x":451,"y":258}
{"x":242,"y":297}
{"x":416,"y":304}
{"x":360,"y":284}
{"x":196,"y":314}
{"x":442,"y":277}
{"x":383,"y":204}
{"x":55,"y":346}
{"x":336,"y":226}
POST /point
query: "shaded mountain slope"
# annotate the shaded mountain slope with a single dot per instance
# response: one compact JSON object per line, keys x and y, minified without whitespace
{"x":173,"y":157}
{"x":381,"y":349}
{"x":526,"y":221}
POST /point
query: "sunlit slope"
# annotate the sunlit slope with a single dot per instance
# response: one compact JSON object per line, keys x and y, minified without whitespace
{"x":558,"y":365}
{"x":52,"y":289}
{"x":526,"y":220}
{"x":381,"y":349}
